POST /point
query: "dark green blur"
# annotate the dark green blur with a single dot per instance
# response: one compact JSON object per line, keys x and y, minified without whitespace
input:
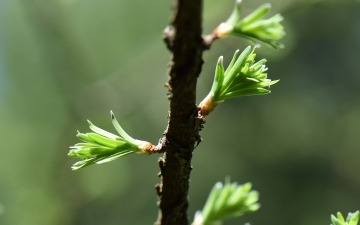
{"x":65,"y":61}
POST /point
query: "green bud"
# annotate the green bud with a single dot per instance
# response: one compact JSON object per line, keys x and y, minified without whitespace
{"x":253,"y":27}
{"x":243,"y":77}
{"x":227,"y":201}
{"x":103,"y":146}
{"x":352,"y":219}
{"x":267,"y":30}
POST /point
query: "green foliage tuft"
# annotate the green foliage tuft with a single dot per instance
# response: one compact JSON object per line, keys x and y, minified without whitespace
{"x":352,"y":219}
{"x":228,"y":201}
{"x":243,"y":77}
{"x":103,"y":146}
{"x":253,"y":27}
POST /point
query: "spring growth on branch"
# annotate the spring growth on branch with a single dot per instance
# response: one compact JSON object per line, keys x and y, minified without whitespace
{"x":227,"y":201}
{"x":243,"y":77}
{"x":352,"y":219}
{"x":252,"y":27}
{"x":102,"y":146}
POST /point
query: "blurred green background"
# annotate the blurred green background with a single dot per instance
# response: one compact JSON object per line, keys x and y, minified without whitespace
{"x":65,"y":61}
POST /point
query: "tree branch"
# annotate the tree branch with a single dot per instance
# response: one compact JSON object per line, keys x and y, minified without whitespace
{"x":183,"y":38}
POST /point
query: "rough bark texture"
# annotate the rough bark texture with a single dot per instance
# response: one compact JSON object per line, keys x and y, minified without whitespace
{"x":183,"y":38}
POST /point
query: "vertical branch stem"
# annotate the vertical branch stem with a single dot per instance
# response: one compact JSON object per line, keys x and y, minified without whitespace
{"x":183,"y":38}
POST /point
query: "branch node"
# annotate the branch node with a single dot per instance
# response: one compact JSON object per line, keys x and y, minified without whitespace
{"x":169,"y":36}
{"x":208,"y":40}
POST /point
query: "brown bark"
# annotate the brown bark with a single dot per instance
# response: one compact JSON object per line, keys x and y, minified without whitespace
{"x":184,"y":40}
